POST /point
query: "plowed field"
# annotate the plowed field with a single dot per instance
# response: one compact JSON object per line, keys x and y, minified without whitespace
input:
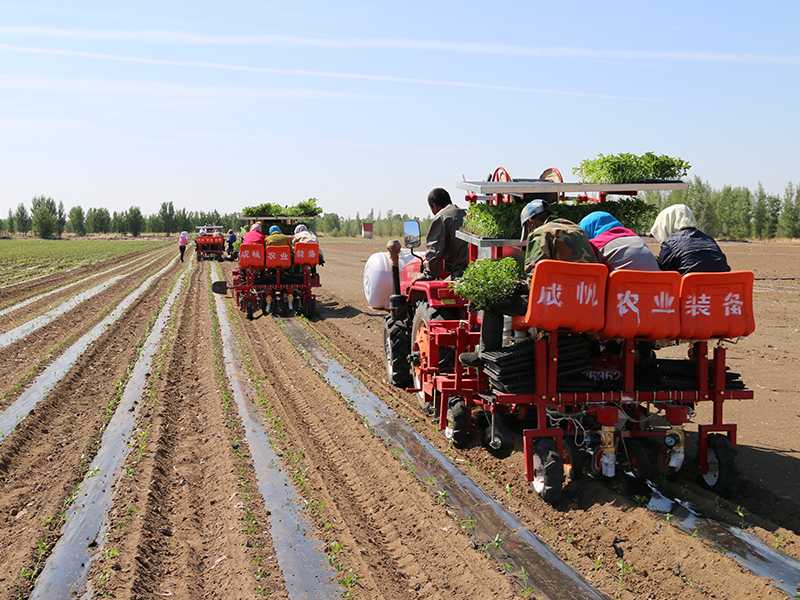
{"x":188,"y":516}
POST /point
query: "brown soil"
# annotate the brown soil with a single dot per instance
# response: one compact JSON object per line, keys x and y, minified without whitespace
{"x":179,"y":520}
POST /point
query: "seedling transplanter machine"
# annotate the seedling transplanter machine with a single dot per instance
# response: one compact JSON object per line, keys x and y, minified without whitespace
{"x":575,"y":416}
{"x":209,"y":243}
{"x":275,"y":279}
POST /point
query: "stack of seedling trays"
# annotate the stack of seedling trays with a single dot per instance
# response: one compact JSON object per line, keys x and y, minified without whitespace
{"x":657,"y":374}
{"x":511,"y":370}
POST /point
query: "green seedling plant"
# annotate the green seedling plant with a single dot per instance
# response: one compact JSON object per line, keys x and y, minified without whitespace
{"x":566,"y":548}
{"x":779,"y":541}
{"x":468,"y":524}
{"x":623,"y":571}
{"x":741,"y":514}
{"x":595,"y":568}
{"x":494,"y":543}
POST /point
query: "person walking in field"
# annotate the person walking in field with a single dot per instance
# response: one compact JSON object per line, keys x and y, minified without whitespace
{"x":184,"y":239}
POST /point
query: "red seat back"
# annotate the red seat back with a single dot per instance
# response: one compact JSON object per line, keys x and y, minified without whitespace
{"x":643,"y":304}
{"x":278,"y":257}
{"x":567,"y":295}
{"x":306,"y":253}
{"x":715,"y":305}
{"x":251,"y":255}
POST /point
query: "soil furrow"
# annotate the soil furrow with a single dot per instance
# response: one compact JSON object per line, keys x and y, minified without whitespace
{"x":18,"y":292}
{"x":46,"y":457}
{"x":583,"y":530}
{"x":394,"y":534}
{"x":26,"y":357}
{"x":199,"y":528}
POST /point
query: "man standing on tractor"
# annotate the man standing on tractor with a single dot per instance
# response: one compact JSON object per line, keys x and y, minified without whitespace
{"x":548,"y":238}
{"x":444,"y":250}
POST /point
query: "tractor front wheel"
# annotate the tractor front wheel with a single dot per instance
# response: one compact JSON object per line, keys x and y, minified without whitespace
{"x":396,"y":350}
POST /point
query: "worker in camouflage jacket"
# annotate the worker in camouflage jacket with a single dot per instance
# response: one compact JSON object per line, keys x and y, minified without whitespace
{"x":549,"y":238}
{"x":552,"y":238}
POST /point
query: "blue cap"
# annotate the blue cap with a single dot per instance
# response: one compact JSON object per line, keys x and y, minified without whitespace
{"x":531,"y":210}
{"x":274,"y":229}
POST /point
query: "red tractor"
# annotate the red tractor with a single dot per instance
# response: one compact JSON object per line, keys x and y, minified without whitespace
{"x":572,"y":414}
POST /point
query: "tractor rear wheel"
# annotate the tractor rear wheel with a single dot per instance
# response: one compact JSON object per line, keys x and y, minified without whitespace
{"x":396,"y":350}
{"x":722,"y":466}
{"x":573,"y":459}
{"x":548,"y":471}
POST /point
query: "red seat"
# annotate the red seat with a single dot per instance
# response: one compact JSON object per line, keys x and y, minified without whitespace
{"x":717,"y":305}
{"x":251,"y":255}
{"x":278,"y":257}
{"x":306,"y":253}
{"x":567,"y":295}
{"x":643,"y":305}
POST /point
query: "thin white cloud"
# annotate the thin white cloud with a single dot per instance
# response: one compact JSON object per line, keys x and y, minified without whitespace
{"x":307,"y":73}
{"x":179,"y":37}
{"x":91,"y":86}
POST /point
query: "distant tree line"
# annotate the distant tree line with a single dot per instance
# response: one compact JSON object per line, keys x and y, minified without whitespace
{"x":388,"y":225}
{"x":736,"y":212}
{"x":48,"y":220}
{"x":729,"y":213}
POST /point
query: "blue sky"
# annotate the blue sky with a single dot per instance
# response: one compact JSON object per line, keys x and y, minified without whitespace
{"x":220,"y":105}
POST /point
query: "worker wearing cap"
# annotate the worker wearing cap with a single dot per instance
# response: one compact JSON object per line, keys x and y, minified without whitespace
{"x":548,"y":238}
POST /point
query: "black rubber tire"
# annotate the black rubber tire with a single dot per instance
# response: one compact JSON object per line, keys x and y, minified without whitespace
{"x":248,"y":307}
{"x":504,"y":440}
{"x":723,"y":469}
{"x":308,"y":307}
{"x":458,"y":419}
{"x":573,"y":459}
{"x":548,"y":471}
{"x":635,"y":458}
{"x":262,"y":304}
{"x":396,"y":350}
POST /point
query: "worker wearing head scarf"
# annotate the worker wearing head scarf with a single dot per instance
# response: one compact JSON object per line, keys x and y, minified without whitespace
{"x":277,"y":238}
{"x":254,"y":236}
{"x":616,"y":245}
{"x":684,"y":248}
{"x":184,"y":239}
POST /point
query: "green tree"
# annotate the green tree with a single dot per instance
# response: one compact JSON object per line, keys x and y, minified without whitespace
{"x":61,"y":219}
{"x":21,"y":219}
{"x":44,"y":216}
{"x":77,"y":221}
{"x":10,"y":222}
{"x":102,"y":220}
{"x":774,"y":205}
{"x":119,"y":222}
{"x":760,"y":213}
{"x":700,"y":199}
{"x":167,"y":217}
{"x":135,"y":221}
{"x":789,"y":222}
